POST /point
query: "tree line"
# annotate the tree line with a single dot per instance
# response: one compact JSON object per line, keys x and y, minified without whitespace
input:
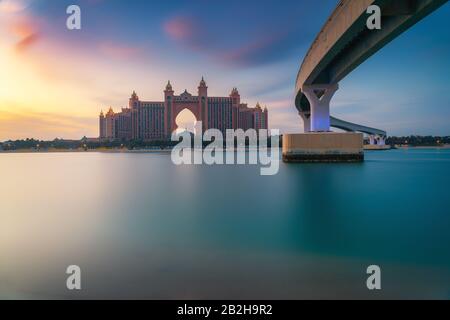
{"x":90,"y":144}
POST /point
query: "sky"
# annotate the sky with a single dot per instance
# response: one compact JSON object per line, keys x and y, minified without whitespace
{"x":55,"y":81}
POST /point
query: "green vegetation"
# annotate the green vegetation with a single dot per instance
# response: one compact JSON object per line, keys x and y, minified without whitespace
{"x":95,"y":144}
{"x":419,"y":141}
{"x":83,"y":144}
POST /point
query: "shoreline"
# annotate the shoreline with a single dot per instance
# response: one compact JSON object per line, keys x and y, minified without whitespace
{"x":167,"y":150}
{"x":164,"y":151}
{"x":422,"y":147}
{"x":86,"y":151}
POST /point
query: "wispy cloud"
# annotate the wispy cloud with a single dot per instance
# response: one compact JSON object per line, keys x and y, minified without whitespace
{"x":181,"y":28}
{"x":118,"y":51}
{"x":23,"y":29}
{"x":26,"y":124}
{"x":187,"y":31}
{"x":258,"y":51}
{"x":12,"y":6}
{"x":26,"y":42}
{"x":245,"y":50}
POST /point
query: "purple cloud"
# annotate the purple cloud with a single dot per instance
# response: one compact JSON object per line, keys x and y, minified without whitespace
{"x":242,"y":50}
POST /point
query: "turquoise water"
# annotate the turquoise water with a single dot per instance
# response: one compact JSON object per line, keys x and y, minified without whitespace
{"x":140,"y":227}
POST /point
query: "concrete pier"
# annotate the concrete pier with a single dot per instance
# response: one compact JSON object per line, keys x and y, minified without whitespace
{"x":323,"y":147}
{"x":320,"y":105}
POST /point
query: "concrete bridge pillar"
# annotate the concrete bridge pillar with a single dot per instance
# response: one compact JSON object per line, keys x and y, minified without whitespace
{"x":381,"y":141}
{"x":372,"y":140}
{"x":306,"y":122}
{"x":319,"y":97}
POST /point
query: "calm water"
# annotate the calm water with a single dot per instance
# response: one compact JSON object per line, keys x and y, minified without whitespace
{"x":140,"y":227}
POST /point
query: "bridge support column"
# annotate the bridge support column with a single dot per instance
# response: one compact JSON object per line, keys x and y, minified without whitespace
{"x":377,"y":142}
{"x":306,"y":122}
{"x":319,"y":97}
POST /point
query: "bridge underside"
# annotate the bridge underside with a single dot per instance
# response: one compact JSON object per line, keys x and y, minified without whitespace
{"x":357,"y":43}
{"x":352,"y":127}
{"x":343,"y":44}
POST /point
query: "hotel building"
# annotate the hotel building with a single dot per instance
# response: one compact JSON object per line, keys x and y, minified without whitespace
{"x":150,"y":121}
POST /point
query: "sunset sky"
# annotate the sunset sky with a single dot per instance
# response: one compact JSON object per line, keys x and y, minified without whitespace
{"x":54,"y":82}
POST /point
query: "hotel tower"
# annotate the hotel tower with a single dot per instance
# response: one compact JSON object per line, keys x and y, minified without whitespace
{"x":151,"y":120}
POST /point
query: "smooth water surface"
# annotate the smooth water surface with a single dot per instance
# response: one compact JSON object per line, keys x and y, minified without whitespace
{"x":141,"y":227}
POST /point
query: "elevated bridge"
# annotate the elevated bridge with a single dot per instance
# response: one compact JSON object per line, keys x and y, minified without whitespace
{"x":342,"y":45}
{"x":352,"y":127}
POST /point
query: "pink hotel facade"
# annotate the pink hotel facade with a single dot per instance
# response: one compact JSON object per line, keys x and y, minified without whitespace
{"x":147,"y":120}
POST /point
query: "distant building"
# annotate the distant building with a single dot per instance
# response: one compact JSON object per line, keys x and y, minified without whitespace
{"x":147,"y":120}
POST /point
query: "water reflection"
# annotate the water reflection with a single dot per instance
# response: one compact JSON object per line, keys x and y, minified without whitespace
{"x":141,"y":227}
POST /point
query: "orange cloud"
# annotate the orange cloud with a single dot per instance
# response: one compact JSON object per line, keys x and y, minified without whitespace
{"x":26,"y":30}
{"x":26,"y":42}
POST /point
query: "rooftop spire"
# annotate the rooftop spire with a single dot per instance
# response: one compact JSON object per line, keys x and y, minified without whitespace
{"x":203,"y":82}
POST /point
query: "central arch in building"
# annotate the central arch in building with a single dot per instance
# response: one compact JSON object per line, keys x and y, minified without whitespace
{"x":186,"y":120}
{"x":183,"y":102}
{"x":173,"y":105}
